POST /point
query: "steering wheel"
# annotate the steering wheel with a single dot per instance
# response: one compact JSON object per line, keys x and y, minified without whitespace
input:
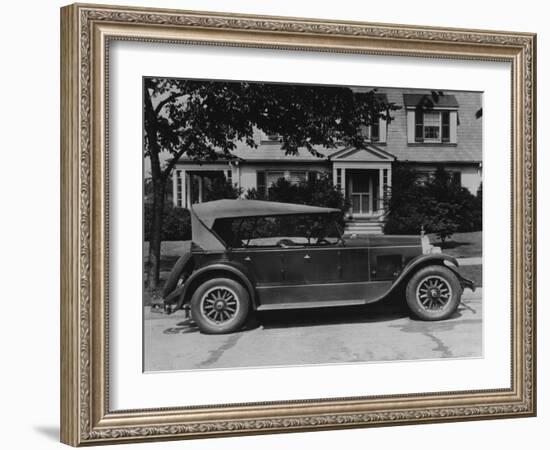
{"x":284,"y":243}
{"x":323,"y":241}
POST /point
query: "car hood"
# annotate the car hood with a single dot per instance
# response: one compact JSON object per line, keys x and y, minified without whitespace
{"x":382,"y":240}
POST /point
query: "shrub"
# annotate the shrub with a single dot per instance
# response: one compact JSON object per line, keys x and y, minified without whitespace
{"x":176,"y":225}
{"x":315,"y":191}
{"x":219,"y":188}
{"x":437,"y":204}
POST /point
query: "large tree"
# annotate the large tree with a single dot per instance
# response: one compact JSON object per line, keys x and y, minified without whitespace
{"x":204,"y":120}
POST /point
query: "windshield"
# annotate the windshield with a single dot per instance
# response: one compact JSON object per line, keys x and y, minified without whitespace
{"x":279,"y":231}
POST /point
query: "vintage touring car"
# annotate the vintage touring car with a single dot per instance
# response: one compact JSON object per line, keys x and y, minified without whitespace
{"x":258,"y":255}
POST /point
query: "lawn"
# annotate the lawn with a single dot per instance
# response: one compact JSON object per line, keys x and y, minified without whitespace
{"x":474,"y":273}
{"x":460,"y":245}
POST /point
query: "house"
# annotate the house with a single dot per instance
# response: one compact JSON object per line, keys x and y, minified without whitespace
{"x":429,"y":130}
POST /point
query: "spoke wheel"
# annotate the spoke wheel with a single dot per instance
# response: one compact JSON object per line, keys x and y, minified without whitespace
{"x":219,"y":305}
{"x":433,"y":292}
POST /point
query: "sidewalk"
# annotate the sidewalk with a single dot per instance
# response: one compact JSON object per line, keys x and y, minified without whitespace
{"x":476,"y":261}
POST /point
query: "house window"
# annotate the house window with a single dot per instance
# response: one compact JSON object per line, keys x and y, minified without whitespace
{"x":311,"y":176}
{"x":273,"y":177}
{"x":424,"y":176}
{"x":229,"y":176}
{"x":432,"y":126}
{"x":456,"y":178}
{"x":371,"y":132}
{"x":339,"y":178}
{"x":271,"y":138}
{"x":297,"y":177}
{"x":265,"y":179}
{"x":260,"y":182}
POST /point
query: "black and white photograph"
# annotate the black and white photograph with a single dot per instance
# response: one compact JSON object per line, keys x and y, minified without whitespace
{"x":295,"y":224}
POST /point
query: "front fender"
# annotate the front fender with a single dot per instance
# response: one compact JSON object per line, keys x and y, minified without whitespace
{"x":212,"y":269}
{"x":422,"y":261}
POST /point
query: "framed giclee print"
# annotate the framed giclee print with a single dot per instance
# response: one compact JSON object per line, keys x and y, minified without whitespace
{"x":273,"y":224}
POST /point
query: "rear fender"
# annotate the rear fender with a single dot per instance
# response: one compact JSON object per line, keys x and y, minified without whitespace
{"x":184,"y":263}
{"x":215,"y":270}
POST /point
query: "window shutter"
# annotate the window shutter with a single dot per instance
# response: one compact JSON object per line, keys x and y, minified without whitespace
{"x":419,"y":125}
{"x":375,"y":132}
{"x":445,"y":127}
{"x":410,"y":126}
{"x":383,"y":130}
{"x":453,"y":122}
{"x":260,"y":183}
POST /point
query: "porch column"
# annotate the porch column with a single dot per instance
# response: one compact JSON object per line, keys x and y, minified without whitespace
{"x":187,"y":190}
{"x":200,"y":188}
{"x":175,"y":188}
{"x":182,"y":184}
{"x":381,"y":190}
{"x":344,"y":181}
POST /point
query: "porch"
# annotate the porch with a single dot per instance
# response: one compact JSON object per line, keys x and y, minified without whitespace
{"x":364,"y":176}
{"x":194,"y":183}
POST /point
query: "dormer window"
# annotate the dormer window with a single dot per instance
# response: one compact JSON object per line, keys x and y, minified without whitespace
{"x":432,"y":126}
{"x":431,"y":119}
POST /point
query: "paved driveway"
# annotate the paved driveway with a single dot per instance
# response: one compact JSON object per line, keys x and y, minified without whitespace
{"x":379,"y":332}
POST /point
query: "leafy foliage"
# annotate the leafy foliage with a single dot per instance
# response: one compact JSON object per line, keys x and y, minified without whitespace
{"x":219,"y":188}
{"x":176,"y":225}
{"x":318,"y":191}
{"x":205,"y":119}
{"x":437,"y":204}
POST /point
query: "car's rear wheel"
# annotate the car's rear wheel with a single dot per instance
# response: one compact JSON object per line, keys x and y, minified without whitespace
{"x":220,"y":305}
{"x":433,"y":293}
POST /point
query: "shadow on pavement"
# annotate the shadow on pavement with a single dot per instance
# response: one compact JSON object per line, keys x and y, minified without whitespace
{"x":385,"y":310}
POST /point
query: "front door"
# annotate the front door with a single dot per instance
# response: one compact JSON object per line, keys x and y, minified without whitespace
{"x":361,"y":189}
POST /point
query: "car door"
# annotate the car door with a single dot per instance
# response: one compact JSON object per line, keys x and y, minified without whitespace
{"x":256,"y":251}
{"x":310,"y":266}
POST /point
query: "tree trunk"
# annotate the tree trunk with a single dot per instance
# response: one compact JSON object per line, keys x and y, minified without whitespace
{"x":153,"y":276}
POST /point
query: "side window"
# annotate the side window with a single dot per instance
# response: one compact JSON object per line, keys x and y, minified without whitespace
{"x":286,"y":231}
{"x":277,"y":231}
{"x":228,"y":231}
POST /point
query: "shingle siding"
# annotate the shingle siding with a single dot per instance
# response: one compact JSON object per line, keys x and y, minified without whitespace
{"x":469,"y":132}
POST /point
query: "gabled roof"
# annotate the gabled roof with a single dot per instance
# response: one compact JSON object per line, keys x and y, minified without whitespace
{"x":225,"y":209}
{"x":371,"y":153}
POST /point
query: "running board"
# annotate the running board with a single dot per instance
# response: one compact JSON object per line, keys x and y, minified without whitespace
{"x":305,"y":305}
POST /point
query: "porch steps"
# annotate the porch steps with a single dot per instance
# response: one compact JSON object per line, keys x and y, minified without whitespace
{"x":364,"y":226}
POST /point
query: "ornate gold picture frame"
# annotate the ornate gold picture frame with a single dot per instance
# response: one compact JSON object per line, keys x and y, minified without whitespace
{"x":86,"y":33}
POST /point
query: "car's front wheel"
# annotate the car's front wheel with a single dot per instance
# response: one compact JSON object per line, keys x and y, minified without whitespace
{"x":433,"y":293}
{"x":220,"y":305}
